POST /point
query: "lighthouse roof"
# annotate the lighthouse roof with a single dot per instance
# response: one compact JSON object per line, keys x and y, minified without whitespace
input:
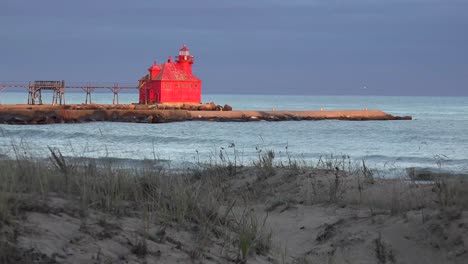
{"x":184,"y":48}
{"x":171,"y":72}
{"x":154,"y":67}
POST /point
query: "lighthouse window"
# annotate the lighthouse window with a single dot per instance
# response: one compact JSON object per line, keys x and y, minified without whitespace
{"x":185,"y":85}
{"x":167,"y":85}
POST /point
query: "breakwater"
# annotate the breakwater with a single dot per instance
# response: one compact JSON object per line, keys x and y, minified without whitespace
{"x":49,"y":114}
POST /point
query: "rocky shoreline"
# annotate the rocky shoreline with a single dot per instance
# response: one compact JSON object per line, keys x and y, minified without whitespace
{"x":48,"y":114}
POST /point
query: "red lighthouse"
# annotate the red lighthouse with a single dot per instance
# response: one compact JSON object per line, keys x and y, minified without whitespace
{"x":171,"y":81}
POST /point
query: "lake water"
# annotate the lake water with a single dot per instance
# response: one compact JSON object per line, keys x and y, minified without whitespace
{"x":437,"y":137}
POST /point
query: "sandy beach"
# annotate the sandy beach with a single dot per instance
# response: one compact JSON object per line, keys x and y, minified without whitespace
{"x":265,"y":212}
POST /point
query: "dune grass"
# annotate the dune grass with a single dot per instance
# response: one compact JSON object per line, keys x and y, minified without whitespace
{"x":181,"y":198}
{"x":218,"y":198}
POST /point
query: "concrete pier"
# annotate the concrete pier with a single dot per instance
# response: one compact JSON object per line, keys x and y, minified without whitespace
{"x":47,"y":114}
{"x":247,"y":115}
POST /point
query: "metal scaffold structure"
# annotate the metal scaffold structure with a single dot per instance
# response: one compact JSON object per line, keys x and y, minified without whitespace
{"x":35,"y":89}
{"x":115,"y":90}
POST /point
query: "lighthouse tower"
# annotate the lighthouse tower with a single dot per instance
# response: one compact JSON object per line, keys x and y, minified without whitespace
{"x":171,"y":82}
{"x":185,"y":60}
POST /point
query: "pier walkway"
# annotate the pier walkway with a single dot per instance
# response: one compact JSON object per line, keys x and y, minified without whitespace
{"x":58,"y":88}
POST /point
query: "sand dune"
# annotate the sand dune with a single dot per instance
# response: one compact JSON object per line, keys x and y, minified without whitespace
{"x":225,"y":213}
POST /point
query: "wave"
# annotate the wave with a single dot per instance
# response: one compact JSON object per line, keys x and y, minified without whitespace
{"x":119,"y":162}
{"x":78,"y":136}
{"x":410,"y":159}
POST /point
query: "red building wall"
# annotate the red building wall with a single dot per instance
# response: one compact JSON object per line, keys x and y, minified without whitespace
{"x":170,"y":91}
{"x":180,"y":91}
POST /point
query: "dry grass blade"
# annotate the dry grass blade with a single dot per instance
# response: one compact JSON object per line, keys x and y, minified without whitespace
{"x":58,"y":160}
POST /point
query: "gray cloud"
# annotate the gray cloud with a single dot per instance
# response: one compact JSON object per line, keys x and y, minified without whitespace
{"x":409,"y":47}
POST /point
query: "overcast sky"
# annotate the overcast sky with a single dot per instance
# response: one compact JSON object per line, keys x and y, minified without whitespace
{"x":326,"y":47}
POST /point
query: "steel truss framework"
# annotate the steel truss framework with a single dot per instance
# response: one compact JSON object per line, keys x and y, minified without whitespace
{"x":35,"y":89}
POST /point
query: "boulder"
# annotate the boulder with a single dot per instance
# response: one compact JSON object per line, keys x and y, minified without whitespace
{"x":227,"y":107}
{"x":190,"y":107}
{"x":17,"y":120}
{"x":207,"y":107}
{"x":404,"y":118}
